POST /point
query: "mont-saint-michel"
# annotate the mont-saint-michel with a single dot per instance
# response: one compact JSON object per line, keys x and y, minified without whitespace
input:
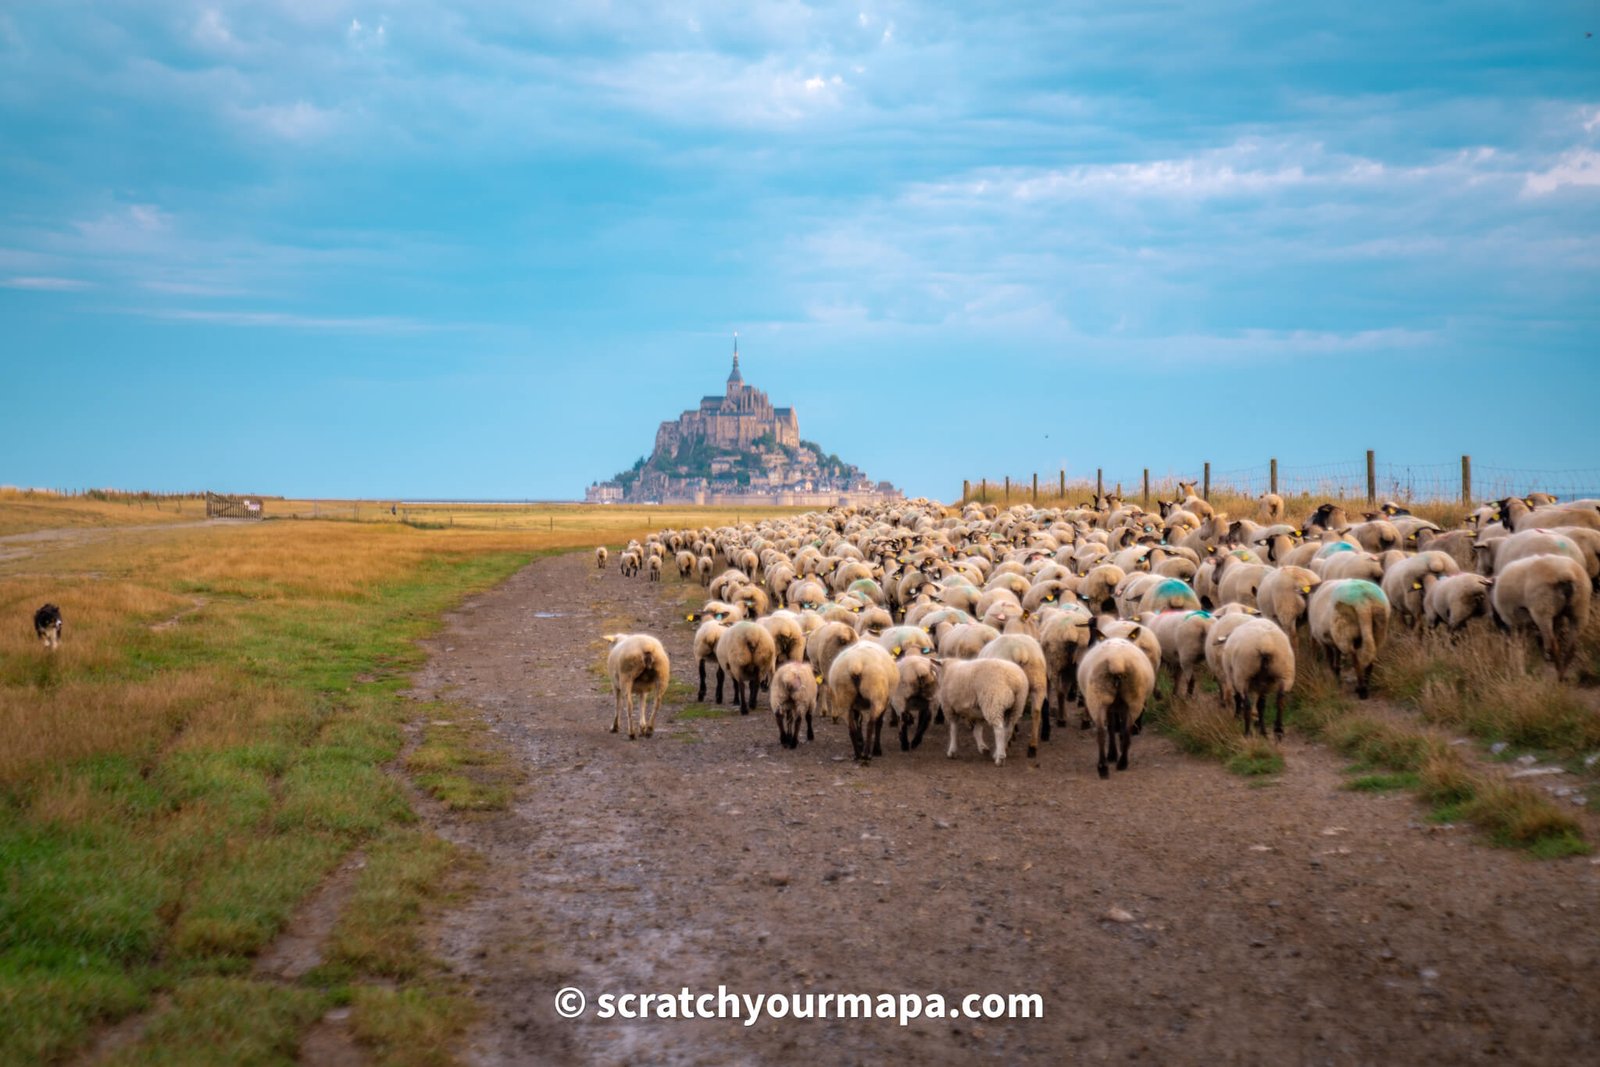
{"x":736,"y":448}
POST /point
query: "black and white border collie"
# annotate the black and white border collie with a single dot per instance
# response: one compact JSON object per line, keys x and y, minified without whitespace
{"x":47,"y":624}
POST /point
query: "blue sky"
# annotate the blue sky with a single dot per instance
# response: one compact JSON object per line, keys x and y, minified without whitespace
{"x":468,"y":249}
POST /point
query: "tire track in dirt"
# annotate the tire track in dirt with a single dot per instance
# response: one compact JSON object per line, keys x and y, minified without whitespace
{"x":1292,"y":922}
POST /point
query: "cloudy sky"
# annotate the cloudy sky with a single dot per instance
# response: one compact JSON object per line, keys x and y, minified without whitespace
{"x":476,"y":249}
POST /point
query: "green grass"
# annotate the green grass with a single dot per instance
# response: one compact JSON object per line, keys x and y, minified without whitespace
{"x":691,"y":712}
{"x":458,"y":763}
{"x":151,"y":875}
{"x":1201,"y":726}
{"x":1384,"y":782}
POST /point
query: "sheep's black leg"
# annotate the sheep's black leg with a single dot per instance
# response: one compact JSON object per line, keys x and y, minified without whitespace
{"x":1277,"y":726}
{"x":1044,"y":723}
{"x":719,"y":683}
{"x":702,"y":697}
{"x":858,"y":740}
{"x":923,"y":718}
{"x":1261,"y":715}
{"x":877,"y":736}
{"x":1100,"y":738}
{"x":905,"y":732}
{"x":1113,"y":729}
{"x":809,"y":735}
{"x":1122,"y":760}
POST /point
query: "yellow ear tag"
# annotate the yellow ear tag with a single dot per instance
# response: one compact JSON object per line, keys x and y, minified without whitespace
{"x":819,"y":677}
{"x":1305,"y":589}
{"x":897,"y":650}
{"x":1416,"y":585}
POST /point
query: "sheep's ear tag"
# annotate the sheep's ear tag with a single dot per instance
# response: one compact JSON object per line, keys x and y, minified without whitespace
{"x":1305,"y":589}
{"x":819,"y":677}
{"x":1416,"y":585}
{"x":897,"y":650}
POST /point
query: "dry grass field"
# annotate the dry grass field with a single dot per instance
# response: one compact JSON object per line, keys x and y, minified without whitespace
{"x":209,"y":743}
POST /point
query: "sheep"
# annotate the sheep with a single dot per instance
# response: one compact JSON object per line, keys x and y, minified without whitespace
{"x":1350,"y":618}
{"x":966,"y":640}
{"x":1457,"y":544}
{"x":792,"y":696}
{"x":1363,"y":565}
{"x":1550,"y":594}
{"x":1064,"y":637}
{"x":637,"y":663}
{"x":600,"y":557}
{"x":685,"y":561}
{"x":1026,"y":653}
{"x":823,"y":645}
{"x":1240,"y":582}
{"x":1283,"y":594}
{"x":1326,"y":517}
{"x":975,"y":692}
{"x":1222,"y":626}
{"x":1406,"y":584}
{"x":1271,"y":508}
{"x":47,"y":626}
{"x":1376,"y":535}
{"x":1258,"y":661}
{"x":860,"y":683}
{"x":1182,"y":636}
{"x":629,"y":563}
{"x":1116,"y":679}
{"x":1170,"y":594}
{"x":748,"y":654}
{"x":1138,"y":633}
{"x":915,"y":694}
{"x":703,"y":568}
{"x":653,"y":569}
{"x":1456,"y":600}
{"x":1494,"y":553}
{"x":1098,"y":588}
{"x":1518,"y":516}
{"x":705,"y":651}
{"x":873,"y":621}
{"x":907,"y":641}
{"x":788,"y":636}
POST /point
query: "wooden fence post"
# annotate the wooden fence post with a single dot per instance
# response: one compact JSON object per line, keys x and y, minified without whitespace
{"x":966,"y":490}
{"x":1099,"y":485}
{"x":1146,"y":498}
{"x":1063,"y":485}
{"x":1035,"y":487}
{"x":1205,"y":491}
{"x":983,"y":491}
{"x":1274,"y":477}
{"x":1008,"y":490}
{"x":1466,"y":480}
{"x":1372,"y":477}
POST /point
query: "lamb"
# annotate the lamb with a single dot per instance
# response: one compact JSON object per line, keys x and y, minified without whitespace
{"x":47,"y":626}
{"x":637,"y":663}
{"x":1350,"y":618}
{"x":748,"y":654}
{"x":1283,"y":594}
{"x":600,"y":557}
{"x":1258,"y":662}
{"x":823,"y":646}
{"x":1406,"y":584}
{"x":975,"y":692}
{"x":1116,"y":680}
{"x":1456,"y":600}
{"x":705,"y":651}
{"x":860,"y":683}
{"x":1550,"y":594}
{"x":915,"y":694}
{"x":793,"y":696}
{"x":1026,"y":653}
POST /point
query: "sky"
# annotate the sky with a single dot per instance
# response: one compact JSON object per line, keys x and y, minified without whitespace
{"x":468,"y":249}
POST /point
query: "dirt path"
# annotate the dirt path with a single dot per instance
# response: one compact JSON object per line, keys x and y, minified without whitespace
{"x":1282,"y":924}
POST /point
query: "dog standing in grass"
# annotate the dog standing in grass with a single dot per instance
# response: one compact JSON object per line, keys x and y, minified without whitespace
{"x":47,"y":625}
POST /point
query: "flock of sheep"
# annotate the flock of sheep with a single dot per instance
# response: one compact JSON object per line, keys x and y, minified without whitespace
{"x":910,"y":612}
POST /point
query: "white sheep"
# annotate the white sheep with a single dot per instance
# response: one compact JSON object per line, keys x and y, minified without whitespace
{"x":705,"y":651}
{"x":1182,"y":636}
{"x":979,"y":691}
{"x":1283,"y":595}
{"x":637,"y":663}
{"x":823,"y":646}
{"x":601,"y":554}
{"x":792,"y":696}
{"x":1116,"y":680}
{"x":1026,"y":653}
{"x":860,"y":682}
{"x":915,"y":696}
{"x":1549,"y":594}
{"x":1350,"y":619}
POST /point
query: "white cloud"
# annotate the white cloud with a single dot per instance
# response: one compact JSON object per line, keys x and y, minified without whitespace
{"x":1579,"y":167}
{"x":379,"y":324}
{"x":299,"y":121}
{"x":211,"y":30}
{"x":44,"y":284}
{"x":1592,"y":123}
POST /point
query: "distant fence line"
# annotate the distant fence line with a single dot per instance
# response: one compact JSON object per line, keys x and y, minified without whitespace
{"x":1360,"y":479}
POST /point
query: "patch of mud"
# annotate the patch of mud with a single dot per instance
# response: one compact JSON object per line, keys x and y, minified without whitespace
{"x":298,"y":950}
{"x":1174,"y":914}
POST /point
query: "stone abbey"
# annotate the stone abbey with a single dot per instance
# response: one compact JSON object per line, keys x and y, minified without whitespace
{"x":737,"y":448}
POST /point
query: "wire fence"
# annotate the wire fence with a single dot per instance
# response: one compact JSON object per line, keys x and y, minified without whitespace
{"x":1362,"y":479}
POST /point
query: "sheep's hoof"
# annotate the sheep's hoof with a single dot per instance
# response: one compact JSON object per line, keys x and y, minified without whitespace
{"x":1104,"y":773}
{"x":1122,"y":764}
{"x":1033,"y":752}
{"x":614,"y":728}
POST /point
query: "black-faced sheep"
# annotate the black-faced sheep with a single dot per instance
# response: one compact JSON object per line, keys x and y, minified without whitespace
{"x":637,"y":663}
{"x":748,"y":654}
{"x":1350,"y":619}
{"x":860,"y":683}
{"x":1549,"y":594}
{"x":793,"y":696}
{"x":1116,"y":680}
